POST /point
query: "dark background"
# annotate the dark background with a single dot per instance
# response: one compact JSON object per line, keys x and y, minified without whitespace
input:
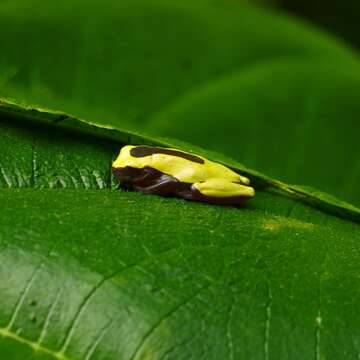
{"x":340,"y":17}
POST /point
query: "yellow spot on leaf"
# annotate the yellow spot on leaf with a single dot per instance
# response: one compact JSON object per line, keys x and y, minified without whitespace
{"x":279,"y":222}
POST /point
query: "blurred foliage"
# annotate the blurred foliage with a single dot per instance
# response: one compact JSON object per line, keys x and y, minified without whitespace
{"x":297,"y":120}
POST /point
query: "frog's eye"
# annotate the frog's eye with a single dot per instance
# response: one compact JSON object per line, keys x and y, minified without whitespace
{"x":142,"y":151}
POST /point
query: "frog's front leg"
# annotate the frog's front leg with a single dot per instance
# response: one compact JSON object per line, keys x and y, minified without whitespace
{"x":157,"y":183}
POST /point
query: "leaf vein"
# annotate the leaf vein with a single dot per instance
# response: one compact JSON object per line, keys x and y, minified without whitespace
{"x":48,"y":317}
{"x":21,"y":299}
{"x":6,"y":178}
{"x":267,"y":326}
{"x":96,"y":343}
{"x":155,"y":326}
{"x":6,"y":333}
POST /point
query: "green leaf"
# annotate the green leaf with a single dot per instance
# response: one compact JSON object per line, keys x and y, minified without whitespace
{"x":253,"y":284}
{"x":120,"y":275}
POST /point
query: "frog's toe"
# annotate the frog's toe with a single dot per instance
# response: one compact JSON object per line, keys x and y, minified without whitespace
{"x":244,"y":180}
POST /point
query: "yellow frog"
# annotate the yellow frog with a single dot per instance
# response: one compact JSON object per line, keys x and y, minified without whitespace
{"x":166,"y":171}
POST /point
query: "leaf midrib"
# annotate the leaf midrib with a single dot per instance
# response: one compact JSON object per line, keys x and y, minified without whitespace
{"x":6,"y":333}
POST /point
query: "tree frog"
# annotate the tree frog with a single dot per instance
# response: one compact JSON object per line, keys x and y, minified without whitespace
{"x":167,"y":171}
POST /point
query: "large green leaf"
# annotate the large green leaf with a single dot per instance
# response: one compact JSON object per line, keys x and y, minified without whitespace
{"x":125,"y":276}
{"x":90,"y":274}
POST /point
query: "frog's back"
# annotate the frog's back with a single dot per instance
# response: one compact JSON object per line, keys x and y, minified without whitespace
{"x":183,"y":166}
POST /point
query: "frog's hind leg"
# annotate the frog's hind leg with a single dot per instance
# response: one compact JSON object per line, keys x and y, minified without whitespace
{"x":220,"y":191}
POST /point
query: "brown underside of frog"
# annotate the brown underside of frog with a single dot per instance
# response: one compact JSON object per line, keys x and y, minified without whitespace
{"x":151,"y":181}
